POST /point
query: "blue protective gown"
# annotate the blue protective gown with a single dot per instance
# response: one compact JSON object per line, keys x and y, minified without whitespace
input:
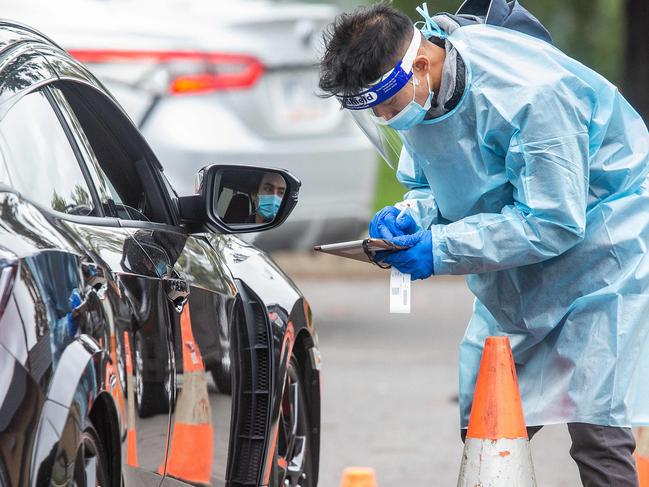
{"x":535,"y":185}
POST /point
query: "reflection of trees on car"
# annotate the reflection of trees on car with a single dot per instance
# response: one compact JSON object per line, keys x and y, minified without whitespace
{"x":80,"y":204}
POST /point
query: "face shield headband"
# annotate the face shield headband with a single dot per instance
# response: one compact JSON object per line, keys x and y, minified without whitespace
{"x":387,"y":85}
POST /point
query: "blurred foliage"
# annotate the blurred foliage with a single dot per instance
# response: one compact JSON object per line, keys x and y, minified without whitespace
{"x":588,"y":30}
{"x":591,"y":31}
{"x":388,"y":189}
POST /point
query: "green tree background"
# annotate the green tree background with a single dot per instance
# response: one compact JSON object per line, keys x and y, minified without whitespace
{"x":588,"y":30}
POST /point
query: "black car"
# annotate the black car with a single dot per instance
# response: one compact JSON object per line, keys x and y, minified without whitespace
{"x":141,"y":343}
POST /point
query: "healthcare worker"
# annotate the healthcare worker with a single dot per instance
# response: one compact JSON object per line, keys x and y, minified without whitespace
{"x":527,"y":172}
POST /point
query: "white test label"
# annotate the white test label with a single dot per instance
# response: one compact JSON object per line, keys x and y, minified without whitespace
{"x":399,"y":292}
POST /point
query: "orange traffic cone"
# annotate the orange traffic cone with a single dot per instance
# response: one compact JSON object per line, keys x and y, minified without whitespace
{"x":118,"y":390}
{"x":115,"y":390}
{"x":642,"y":456}
{"x":131,"y":438}
{"x":358,"y":477}
{"x":192,"y":443}
{"x":497,"y":450}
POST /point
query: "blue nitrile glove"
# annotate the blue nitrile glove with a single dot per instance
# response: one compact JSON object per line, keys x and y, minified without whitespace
{"x":389,"y":223}
{"x":75,"y":301}
{"x":417,"y":259}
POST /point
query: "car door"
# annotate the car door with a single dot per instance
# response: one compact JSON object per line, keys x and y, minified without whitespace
{"x":140,"y":339}
{"x":200,"y":293}
{"x":114,"y":294}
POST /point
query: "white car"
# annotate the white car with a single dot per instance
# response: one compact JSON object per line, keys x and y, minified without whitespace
{"x":226,"y":82}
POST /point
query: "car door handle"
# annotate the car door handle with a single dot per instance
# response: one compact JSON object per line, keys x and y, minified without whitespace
{"x":177,"y":291}
{"x":93,"y":275}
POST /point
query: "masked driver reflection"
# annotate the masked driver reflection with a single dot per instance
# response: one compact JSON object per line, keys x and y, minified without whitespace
{"x":268,"y":197}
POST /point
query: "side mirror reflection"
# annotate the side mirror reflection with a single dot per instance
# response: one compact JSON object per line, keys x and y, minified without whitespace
{"x":253,"y":198}
{"x":239,"y":199}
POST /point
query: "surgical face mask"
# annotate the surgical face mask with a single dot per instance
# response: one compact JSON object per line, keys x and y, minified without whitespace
{"x":413,"y":113}
{"x":269,"y":206}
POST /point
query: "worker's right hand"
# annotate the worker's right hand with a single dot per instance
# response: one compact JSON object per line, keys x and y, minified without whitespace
{"x":417,"y":257}
{"x":388,"y":224}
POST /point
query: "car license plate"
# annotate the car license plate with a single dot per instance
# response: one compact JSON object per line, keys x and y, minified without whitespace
{"x":297,"y":108}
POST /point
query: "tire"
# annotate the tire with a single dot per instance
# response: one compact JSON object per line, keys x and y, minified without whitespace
{"x":151,"y":397}
{"x":295,"y":475}
{"x":91,"y":463}
{"x":222,"y":379}
{"x":121,"y":362}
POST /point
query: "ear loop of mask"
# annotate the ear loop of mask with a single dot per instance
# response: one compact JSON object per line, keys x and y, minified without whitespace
{"x":431,"y":93}
{"x":429,"y":98}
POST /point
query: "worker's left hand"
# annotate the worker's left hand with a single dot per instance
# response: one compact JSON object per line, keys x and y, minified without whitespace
{"x":390,"y":222}
{"x":417,"y":259}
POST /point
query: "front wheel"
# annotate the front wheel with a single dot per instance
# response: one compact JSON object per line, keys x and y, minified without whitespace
{"x":294,"y":453}
{"x":150,"y":397}
{"x":91,"y":463}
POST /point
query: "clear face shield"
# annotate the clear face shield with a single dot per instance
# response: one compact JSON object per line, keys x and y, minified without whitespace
{"x":384,"y":137}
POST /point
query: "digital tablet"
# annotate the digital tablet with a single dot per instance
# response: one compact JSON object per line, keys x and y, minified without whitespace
{"x":362,"y":250}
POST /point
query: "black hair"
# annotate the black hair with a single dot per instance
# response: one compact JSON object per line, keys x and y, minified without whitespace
{"x":361,"y":46}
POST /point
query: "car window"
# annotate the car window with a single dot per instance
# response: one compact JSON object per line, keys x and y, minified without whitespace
{"x":116,"y":155}
{"x":41,"y":164}
{"x":110,"y":198}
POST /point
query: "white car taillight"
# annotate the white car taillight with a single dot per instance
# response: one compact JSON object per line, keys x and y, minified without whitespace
{"x":185,"y":72}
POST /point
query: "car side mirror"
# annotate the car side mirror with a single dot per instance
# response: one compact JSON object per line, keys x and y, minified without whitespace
{"x":240,"y":199}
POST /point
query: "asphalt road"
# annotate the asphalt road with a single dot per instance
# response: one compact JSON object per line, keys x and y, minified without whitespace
{"x":390,"y":384}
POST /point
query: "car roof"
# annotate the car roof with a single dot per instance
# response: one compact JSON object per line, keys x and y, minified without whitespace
{"x":13,"y":33}
{"x":16,"y":39}
{"x":47,"y":61}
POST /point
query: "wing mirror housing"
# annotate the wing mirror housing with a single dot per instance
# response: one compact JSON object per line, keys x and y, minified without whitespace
{"x":239,"y":199}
